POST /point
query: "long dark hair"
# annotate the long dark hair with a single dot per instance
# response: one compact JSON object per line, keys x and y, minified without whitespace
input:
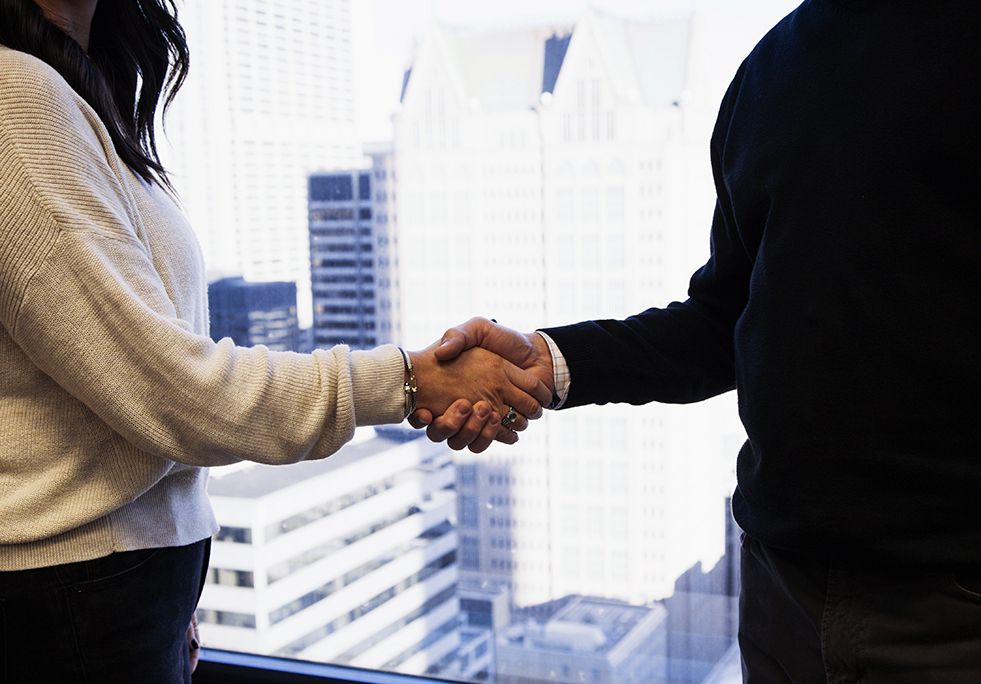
{"x":137,"y":50}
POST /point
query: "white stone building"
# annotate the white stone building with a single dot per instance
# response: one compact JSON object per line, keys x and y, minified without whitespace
{"x":547,"y":176}
{"x":350,"y":559}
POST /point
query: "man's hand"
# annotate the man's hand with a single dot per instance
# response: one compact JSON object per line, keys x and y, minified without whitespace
{"x":470,"y":391}
{"x":527,"y":351}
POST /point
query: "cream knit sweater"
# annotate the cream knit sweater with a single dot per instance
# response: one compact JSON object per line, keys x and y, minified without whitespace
{"x":113,"y":400}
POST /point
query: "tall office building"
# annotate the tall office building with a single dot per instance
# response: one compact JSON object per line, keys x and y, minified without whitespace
{"x":350,"y":559}
{"x":352,"y":260}
{"x":547,"y":176}
{"x":254,"y":313}
{"x":342,"y":264}
{"x":258,"y":114}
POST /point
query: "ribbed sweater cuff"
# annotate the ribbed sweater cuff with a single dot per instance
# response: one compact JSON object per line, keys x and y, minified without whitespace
{"x":377,"y":377}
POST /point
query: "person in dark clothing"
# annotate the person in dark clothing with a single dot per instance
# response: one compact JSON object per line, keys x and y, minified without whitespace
{"x":842,"y":301}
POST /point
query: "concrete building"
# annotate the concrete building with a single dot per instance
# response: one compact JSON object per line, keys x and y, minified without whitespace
{"x":258,"y":114}
{"x":254,"y":313}
{"x":586,"y":640}
{"x":545,"y":176}
{"x":350,"y":559}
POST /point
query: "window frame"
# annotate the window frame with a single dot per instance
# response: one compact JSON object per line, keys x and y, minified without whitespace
{"x":220,"y":667}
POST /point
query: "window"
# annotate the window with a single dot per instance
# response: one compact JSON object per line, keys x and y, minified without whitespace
{"x":467,"y":474}
{"x":235,"y":535}
{"x":399,"y":554}
{"x":471,"y":553}
{"x":331,"y":188}
{"x":230,"y":578}
{"x":469,"y":515}
{"x":226,"y":618}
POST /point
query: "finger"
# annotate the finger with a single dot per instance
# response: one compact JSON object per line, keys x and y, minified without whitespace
{"x":458,"y":339}
{"x":193,"y":636}
{"x":451,"y":422}
{"x":529,"y":384}
{"x":520,"y":423}
{"x":487,"y":435}
{"x":506,"y":436}
{"x":482,"y":415}
{"x":518,"y":397}
{"x":193,"y":643}
{"x":420,"y":418}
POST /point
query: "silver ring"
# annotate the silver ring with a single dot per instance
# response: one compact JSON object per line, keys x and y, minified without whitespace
{"x":509,"y":420}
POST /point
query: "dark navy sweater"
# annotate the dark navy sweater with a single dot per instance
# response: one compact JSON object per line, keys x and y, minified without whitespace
{"x":842,"y":298}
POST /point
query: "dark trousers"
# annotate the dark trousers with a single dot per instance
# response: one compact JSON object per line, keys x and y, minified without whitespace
{"x":122,"y":618}
{"x":807,"y":621}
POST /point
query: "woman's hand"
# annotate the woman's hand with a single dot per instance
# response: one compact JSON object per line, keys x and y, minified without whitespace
{"x":463,"y":421}
{"x":193,"y":641}
{"x":475,"y":389}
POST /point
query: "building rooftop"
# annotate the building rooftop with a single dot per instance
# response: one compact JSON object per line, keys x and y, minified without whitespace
{"x":258,"y":480}
{"x":583,"y":624}
{"x":508,"y":69}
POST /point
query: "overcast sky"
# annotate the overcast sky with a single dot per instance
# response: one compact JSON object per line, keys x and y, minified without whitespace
{"x":386,"y":30}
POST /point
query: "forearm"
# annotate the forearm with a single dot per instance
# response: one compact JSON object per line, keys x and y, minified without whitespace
{"x":120,"y":350}
{"x":678,"y":354}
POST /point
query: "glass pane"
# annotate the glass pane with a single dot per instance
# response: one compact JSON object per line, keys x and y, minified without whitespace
{"x":374,"y":171}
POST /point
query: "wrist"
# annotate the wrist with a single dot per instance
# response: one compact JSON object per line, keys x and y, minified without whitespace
{"x":423,"y":363}
{"x":409,"y":386}
{"x":543,"y":359}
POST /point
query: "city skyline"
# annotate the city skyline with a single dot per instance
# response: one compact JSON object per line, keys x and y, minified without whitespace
{"x":546,"y":172}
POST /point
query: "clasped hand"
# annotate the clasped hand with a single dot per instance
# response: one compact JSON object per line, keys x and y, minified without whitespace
{"x":472,"y":376}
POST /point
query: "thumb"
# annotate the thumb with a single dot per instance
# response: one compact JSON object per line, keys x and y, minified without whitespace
{"x":453,"y":344}
{"x":457,"y":340}
{"x":420,"y":419}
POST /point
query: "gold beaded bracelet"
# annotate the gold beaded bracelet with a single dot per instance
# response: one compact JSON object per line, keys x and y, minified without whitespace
{"x":409,"y":387}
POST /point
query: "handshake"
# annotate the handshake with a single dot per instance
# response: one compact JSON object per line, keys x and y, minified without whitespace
{"x":481,"y":382}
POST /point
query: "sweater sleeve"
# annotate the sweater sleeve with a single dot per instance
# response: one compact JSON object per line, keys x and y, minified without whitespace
{"x":79,"y":294}
{"x":681,"y":353}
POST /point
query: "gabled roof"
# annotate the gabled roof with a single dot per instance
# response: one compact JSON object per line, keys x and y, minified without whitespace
{"x":508,"y":69}
{"x":646,"y":56}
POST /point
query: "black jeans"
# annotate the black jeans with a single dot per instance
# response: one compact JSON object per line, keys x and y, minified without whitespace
{"x":122,"y":618}
{"x":807,"y":621}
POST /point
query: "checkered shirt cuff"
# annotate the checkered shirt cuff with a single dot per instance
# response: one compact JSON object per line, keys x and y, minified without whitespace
{"x":560,"y":371}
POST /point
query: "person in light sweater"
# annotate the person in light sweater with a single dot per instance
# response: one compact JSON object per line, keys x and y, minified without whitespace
{"x":113,"y":399}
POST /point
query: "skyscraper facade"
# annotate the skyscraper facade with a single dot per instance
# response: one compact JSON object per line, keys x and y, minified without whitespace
{"x":258,"y":114}
{"x":546,"y":176}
